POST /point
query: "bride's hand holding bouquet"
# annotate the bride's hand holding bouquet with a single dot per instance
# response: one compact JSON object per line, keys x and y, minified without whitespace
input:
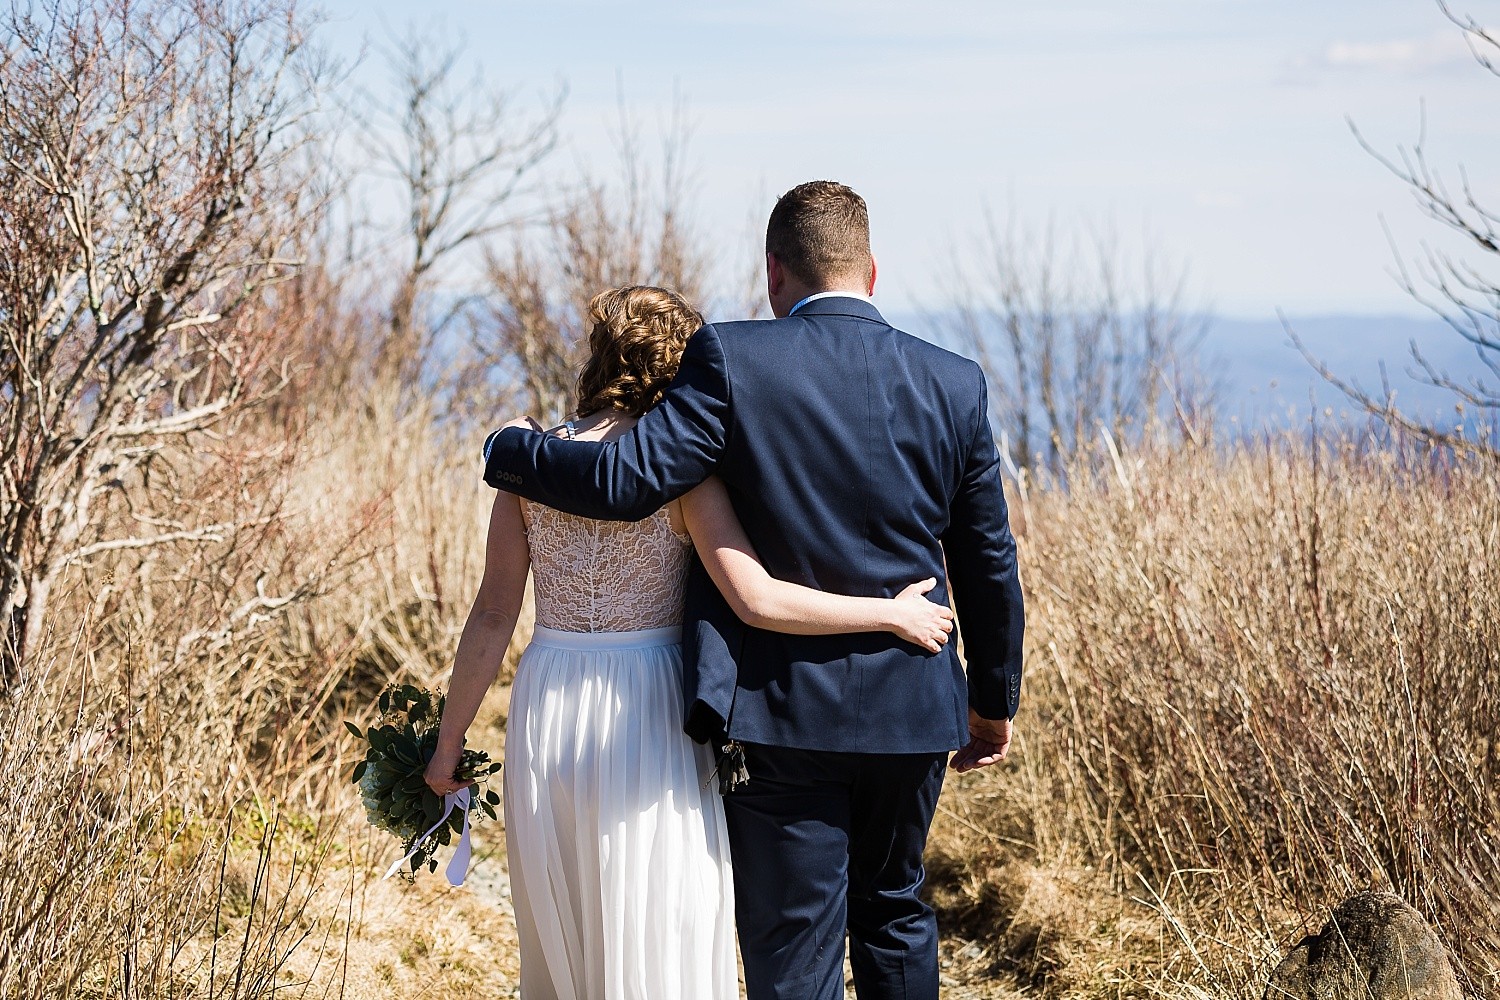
{"x":419,"y":786}
{"x":444,"y":770}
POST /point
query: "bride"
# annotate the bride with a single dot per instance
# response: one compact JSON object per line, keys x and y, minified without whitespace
{"x":615,"y":834}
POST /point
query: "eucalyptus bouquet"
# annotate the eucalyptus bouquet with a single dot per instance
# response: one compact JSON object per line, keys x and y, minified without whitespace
{"x":395,"y":793}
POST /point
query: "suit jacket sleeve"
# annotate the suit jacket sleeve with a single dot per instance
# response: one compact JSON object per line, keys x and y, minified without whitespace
{"x":673,"y":448}
{"x":982,"y":570}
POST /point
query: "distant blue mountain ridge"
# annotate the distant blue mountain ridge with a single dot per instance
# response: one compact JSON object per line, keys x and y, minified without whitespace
{"x":1262,"y":381}
{"x":1266,"y":381}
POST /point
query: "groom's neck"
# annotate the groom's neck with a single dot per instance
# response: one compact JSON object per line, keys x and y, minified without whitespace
{"x":793,"y":292}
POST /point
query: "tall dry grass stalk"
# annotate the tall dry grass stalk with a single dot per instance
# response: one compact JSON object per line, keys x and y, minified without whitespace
{"x":127,"y":830}
{"x":1258,"y":682}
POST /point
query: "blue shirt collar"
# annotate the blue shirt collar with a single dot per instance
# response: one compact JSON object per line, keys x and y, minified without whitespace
{"x":829,"y":295}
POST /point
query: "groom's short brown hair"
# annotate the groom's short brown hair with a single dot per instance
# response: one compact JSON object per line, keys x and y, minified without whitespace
{"x":820,"y":231}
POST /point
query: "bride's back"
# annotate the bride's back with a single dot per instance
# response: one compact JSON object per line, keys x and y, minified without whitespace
{"x":606,"y":576}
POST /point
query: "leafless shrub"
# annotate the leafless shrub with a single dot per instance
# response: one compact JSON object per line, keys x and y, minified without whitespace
{"x":461,"y":155}
{"x":1073,"y":346}
{"x":145,"y":150}
{"x":120,"y":816}
{"x":601,"y":235}
{"x":1258,"y":682}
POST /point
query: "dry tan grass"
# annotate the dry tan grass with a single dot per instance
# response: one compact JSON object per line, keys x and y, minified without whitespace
{"x":1257,"y":682}
{"x":172,"y":767}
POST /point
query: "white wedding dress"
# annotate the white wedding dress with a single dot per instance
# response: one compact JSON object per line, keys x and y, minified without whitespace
{"x":618,"y":852}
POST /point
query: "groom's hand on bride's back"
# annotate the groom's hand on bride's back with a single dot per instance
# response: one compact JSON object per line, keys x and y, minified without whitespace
{"x":989,"y":742}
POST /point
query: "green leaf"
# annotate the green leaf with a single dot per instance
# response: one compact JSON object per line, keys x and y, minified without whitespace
{"x":492,"y":797}
{"x":405,"y":746}
{"x":385,"y":701}
{"x":359,"y":770}
{"x":358,"y":733}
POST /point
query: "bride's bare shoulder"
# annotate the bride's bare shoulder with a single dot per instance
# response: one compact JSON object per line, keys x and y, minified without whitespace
{"x":566,"y":429}
{"x":606,"y":425}
{"x":526,"y":422}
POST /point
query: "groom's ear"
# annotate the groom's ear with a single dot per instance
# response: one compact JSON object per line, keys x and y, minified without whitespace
{"x":775,"y":274}
{"x":873,"y":270}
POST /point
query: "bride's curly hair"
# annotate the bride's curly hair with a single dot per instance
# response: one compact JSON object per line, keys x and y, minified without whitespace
{"x":635,"y":345}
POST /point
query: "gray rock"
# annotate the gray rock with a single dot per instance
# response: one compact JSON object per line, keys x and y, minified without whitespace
{"x":1374,"y":947}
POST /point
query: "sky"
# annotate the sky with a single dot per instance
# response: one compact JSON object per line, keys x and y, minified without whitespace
{"x":1213,"y":132}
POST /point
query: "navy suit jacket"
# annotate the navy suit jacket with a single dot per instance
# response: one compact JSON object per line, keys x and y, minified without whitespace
{"x":860,"y":459}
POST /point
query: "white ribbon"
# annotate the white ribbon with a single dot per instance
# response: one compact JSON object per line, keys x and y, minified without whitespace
{"x":458,"y":865}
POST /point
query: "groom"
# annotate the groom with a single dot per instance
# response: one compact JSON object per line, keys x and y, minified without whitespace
{"x":859,"y":459}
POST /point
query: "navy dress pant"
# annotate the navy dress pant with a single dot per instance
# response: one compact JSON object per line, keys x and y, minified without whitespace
{"x":823,"y":843}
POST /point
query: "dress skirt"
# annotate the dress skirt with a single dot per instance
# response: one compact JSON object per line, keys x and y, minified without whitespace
{"x":615,"y":836}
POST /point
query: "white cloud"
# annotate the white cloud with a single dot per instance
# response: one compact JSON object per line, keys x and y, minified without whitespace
{"x":1407,"y":55}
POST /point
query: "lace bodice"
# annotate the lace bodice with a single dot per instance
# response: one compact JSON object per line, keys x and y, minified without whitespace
{"x":605,"y":576}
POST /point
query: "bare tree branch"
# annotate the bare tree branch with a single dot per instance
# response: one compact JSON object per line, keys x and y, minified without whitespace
{"x":1068,"y":348}
{"x":1460,"y":292}
{"x":600,"y":236}
{"x":1385,"y":407}
{"x":461,"y":155}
